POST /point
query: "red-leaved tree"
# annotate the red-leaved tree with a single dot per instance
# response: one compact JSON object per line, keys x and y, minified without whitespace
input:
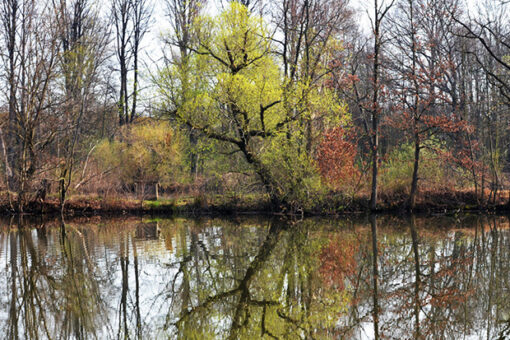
{"x":336,"y":157}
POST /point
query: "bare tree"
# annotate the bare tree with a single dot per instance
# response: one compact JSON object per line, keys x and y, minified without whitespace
{"x":380,"y":11}
{"x":32,"y":52}
{"x":365,"y":66}
{"x":131,"y":19}
{"x":493,"y":37}
{"x":83,"y":45}
{"x":142,"y":13}
{"x":10,"y":18}
{"x":486,"y":37}
{"x":122,"y":12}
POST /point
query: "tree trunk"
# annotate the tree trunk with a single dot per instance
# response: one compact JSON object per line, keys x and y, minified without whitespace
{"x":415,"y":117}
{"x":375,"y":107}
{"x":63,"y":192}
{"x":12,"y":136}
{"x":8,"y":170}
{"x":375,"y":170}
{"x":414,"y":183}
{"x":265,"y":176}
{"x":193,"y":156}
{"x":135,"y":83}
{"x":123,"y":119}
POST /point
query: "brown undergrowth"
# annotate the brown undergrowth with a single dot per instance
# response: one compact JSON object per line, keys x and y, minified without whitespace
{"x":333,"y":203}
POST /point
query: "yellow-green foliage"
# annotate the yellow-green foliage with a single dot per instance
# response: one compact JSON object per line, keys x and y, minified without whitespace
{"x":146,"y":152}
{"x":294,"y":173}
{"x":222,"y":87}
{"x":397,"y":170}
{"x":200,"y":86}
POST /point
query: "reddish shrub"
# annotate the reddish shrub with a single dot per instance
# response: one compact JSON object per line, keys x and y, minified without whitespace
{"x":336,"y":159}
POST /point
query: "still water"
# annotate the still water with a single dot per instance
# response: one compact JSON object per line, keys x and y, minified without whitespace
{"x":251,"y":278}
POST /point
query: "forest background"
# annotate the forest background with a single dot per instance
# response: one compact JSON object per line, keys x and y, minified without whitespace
{"x":317,"y":106}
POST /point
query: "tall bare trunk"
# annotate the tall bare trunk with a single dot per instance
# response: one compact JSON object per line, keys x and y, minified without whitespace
{"x":10,"y":18}
{"x":414,"y":182}
{"x":379,"y":14}
{"x":415,"y":112}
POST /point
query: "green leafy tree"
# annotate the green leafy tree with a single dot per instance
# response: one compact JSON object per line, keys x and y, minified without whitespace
{"x":231,"y":89}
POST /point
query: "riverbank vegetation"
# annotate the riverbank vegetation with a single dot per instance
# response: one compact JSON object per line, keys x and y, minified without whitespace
{"x":286,"y":106}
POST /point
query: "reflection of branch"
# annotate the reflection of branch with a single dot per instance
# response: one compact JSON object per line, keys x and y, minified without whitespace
{"x":292,"y":321}
{"x":42,"y":316}
{"x":30,"y":278}
{"x":244,"y":285}
{"x":505,"y":332}
{"x":208,"y":302}
{"x":207,"y":255}
{"x":263,"y":327}
{"x":84,"y":244}
{"x":262,"y":303}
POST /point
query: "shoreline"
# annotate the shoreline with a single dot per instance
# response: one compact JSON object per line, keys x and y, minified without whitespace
{"x":429,"y":204}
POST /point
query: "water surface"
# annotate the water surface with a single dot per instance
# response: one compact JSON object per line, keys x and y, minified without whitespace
{"x":250,"y":278}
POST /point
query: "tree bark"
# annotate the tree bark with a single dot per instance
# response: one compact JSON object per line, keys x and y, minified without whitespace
{"x":414,"y":182}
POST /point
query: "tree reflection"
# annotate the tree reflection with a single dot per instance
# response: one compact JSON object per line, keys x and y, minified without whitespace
{"x":273,"y":290}
{"x":13,"y":268}
{"x":375,"y":276}
{"x":247,"y":278}
{"x":50,"y":297}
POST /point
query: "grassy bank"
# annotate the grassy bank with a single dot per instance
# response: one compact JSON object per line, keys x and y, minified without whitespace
{"x":331,"y":204}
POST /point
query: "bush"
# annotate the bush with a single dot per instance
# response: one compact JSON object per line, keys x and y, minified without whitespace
{"x":336,"y":157}
{"x":144,"y":154}
{"x":397,"y":171}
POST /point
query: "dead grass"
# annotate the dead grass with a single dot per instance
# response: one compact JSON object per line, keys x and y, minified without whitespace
{"x":332,"y":203}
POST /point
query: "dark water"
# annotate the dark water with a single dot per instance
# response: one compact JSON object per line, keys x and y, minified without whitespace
{"x":435,"y":278}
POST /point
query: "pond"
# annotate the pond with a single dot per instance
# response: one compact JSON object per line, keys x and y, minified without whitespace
{"x":250,"y":278}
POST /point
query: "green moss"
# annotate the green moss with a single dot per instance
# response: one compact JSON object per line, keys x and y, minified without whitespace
{"x":159,"y":204}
